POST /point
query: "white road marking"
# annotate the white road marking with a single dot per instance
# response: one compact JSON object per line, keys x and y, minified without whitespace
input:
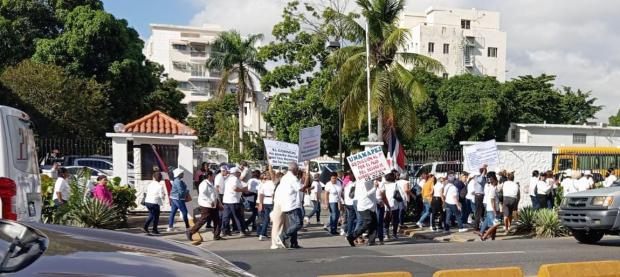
{"x":437,"y":255}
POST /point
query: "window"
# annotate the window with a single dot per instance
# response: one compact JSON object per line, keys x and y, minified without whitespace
{"x":179,"y":47}
{"x":465,"y":24}
{"x":198,"y":70}
{"x":245,"y":110}
{"x":579,"y":138}
{"x":446,"y":48}
{"x":198,"y":50}
{"x":190,"y":35}
{"x":183,"y":86}
{"x":513,"y":134}
{"x":431,"y":47}
{"x":492,"y":52}
{"x":445,"y":75}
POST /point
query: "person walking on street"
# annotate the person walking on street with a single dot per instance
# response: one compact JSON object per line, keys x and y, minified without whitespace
{"x":382,"y":207}
{"x":209,"y":206}
{"x":427,"y":198}
{"x":394,"y":199}
{"x":349,"y":203}
{"x":315,"y":196}
{"x":250,"y":197}
{"x":491,"y":201}
{"x":437,"y":216}
{"x":266,"y":191}
{"x":333,"y":196}
{"x":481,"y":181}
{"x":366,"y":198}
{"x":232,"y":196}
{"x":291,"y":204}
{"x":278,"y":218}
{"x":62,"y":191}
{"x":154,"y":199}
{"x":402,"y":182}
{"x":101,"y":192}
{"x":511,"y":192}
{"x":452,"y":206}
{"x":179,"y":194}
{"x":532,"y":189}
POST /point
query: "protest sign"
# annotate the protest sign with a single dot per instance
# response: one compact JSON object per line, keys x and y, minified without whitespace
{"x":309,"y":143}
{"x":369,"y":164}
{"x":480,"y":154}
{"x":280,"y":153}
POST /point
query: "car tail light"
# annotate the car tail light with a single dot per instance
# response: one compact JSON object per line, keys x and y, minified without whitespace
{"x":8,"y":191}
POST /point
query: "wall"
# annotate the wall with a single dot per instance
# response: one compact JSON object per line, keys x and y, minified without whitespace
{"x":523,"y":159}
{"x":564,"y":136}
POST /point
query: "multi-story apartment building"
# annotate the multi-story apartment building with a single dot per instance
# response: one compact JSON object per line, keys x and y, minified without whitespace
{"x":464,"y":41}
{"x":183,"y":52}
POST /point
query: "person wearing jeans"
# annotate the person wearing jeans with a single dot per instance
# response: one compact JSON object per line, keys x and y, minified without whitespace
{"x":153,"y":200}
{"x":266,"y":191}
{"x":349,"y":203}
{"x":290,"y":190}
{"x":315,"y":196}
{"x":178,"y":195}
{"x":333,"y":196}
{"x":250,"y":197}
{"x":453,"y":206}
{"x":427,"y":197}
{"x":232,"y":196}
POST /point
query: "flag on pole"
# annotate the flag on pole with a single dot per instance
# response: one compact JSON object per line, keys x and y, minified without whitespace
{"x":165,"y":174}
{"x":396,"y":152}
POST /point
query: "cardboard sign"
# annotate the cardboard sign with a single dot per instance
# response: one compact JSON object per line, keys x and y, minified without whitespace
{"x":309,"y":143}
{"x":280,"y":153}
{"x":369,"y":164}
{"x":479,"y":154}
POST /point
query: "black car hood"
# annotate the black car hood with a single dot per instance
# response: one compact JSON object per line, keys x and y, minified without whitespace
{"x":92,"y":252}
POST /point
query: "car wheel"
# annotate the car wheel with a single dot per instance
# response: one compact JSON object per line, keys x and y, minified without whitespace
{"x":587,"y":237}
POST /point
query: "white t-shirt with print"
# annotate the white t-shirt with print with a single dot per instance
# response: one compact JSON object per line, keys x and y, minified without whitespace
{"x":347,"y":190}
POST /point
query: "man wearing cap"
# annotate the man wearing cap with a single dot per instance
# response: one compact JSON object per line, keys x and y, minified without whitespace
{"x":569,"y":185}
{"x":232,"y":196}
{"x":220,"y":178}
{"x":584,"y":182}
{"x":178,"y":196}
{"x":290,"y":197}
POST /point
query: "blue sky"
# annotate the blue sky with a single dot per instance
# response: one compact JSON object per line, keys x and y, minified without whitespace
{"x":140,"y":13}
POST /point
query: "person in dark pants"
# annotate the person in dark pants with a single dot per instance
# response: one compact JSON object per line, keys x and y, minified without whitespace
{"x":232,"y":195}
{"x":266,"y":191}
{"x":366,"y":198}
{"x":291,"y":193}
{"x":349,"y":203}
{"x":481,"y":181}
{"x":315,"y":196}
{"x":210,"y":205}
{"x":250,"y":197}
{"x":153,"y":199}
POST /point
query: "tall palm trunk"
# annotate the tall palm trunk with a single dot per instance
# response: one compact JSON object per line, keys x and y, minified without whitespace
{"x":380,"y":124}
{"x":241,"y":99}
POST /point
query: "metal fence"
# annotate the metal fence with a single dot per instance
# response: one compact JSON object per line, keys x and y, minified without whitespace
{"x":422,"y":157}
{"x":82,"y":147}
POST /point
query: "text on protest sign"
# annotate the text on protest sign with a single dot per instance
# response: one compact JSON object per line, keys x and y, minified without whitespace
{"x":480,"y":154}
{"x":280,"y":153}
{"x":309,"y":143}
{"x":369,"y":164}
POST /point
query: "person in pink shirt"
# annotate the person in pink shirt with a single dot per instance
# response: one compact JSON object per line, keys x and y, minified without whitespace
{"x":101,"y":192}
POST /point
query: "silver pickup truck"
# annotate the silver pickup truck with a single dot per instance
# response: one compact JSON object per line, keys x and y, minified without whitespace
{"x":590,"y":215}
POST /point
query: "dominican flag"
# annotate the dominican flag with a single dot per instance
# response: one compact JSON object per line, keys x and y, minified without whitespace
{"x":165,"y":173}
{"x":396,"y":152}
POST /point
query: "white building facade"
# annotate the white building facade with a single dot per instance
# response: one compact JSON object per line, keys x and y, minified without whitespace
{"x":564,"y":135}
{"x":183,"y":52}
{"x":464,"y":41}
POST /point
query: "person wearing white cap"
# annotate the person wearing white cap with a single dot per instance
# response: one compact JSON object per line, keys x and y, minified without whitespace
{"x":232,"y":196}
{"x":179,"y":194}
{"x":220,"y":178}
{"x":584,"y":182}
{"x":569,"y":183}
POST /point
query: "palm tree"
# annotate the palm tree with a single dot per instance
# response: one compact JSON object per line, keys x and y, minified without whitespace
{"x":394,"y":89}
{"x":237,"y":60}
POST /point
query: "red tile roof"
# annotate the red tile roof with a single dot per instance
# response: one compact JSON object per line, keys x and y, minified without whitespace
{"x":158,"y":122}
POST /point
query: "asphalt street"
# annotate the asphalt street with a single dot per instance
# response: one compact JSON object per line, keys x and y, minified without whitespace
{"x":422,"y":258}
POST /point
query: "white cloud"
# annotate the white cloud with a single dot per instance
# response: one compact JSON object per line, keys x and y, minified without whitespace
{"x":573,"y":39}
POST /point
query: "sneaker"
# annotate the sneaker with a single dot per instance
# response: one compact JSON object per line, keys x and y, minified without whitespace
{"x":342,"y":232}
{"x":351,"y":241}
{"x":462,"y":230}
{"x":169,"y":229}
{"x":261,"y":238}
{"x":395,"y":237}
{"x":155,"y":232}
{"x":188,"y":235}
{"x":273,"y":247}
{"x":296,"y":246}
{"x":146,"y":230}
{"x":306,"y":220}
{"x":420,"y":225}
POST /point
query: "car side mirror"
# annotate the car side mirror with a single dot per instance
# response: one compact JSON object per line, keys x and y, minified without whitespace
{"x":20,"y":246}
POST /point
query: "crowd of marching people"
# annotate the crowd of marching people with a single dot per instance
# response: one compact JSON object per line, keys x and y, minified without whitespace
{"x":364,"y":211}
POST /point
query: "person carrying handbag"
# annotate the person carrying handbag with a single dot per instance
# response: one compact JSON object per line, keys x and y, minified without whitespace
{"x":179,"y":194}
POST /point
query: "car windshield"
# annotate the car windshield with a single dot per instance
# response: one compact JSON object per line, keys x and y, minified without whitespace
{"x":333,"y":167}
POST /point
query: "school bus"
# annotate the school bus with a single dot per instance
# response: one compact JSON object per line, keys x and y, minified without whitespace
{"x":596,"y":159}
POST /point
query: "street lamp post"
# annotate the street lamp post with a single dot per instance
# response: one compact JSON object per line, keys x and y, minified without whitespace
{"x":368,"y":79}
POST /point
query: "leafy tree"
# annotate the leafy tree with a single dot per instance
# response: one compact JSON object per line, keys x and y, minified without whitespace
{"x":577,"y":106}
{"x":429,"y":135}
{"x":167,"y":98}
{"x":237,"y":58}
{"x":614,"y":120}
{"x":61,"y":105}
{"x":203,"y":120}
{"x":394,"y":90}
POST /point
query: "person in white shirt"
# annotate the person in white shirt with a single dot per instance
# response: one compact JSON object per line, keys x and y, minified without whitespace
{"x":291,"y":204}
{"x":543,"y":191}
{"x":569,"y":183}
{"x":405,"y":188}
{"x":491,"y":201}
{"x":395,"y":197}
{"x":588,"y":175}
{"x":154,"y":199}
{"x":511,"y":193}
{"x":366,"y":197}
{"x":349,"y":203}
{"x":232,"y":195}
{"x":220,"y":179}
{"x":62,"y":191}
{"x":266,"y":191}
{"x":315,"y":195}
{"x":209,"y":206}
{"x":250,"y":196}
{"x":584,"y":183}
{"x":610,"y":178}
{"x":532,"y":189}
{"x":437,"y":205}
{"x":470,"y":199}
{"x":453,"y":206}
{"x":333,"y":198}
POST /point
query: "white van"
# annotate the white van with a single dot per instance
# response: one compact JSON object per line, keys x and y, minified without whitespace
{"x":20,"y":186}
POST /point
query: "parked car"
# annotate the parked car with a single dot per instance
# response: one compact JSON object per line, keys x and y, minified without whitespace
{"x":35,"y":249}
{"x":440,"y":169}
{"x":20,"y":186}
{"x":591,"y":214}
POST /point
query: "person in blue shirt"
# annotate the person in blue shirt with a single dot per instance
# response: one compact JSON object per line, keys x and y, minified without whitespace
{"x":179,"y":194}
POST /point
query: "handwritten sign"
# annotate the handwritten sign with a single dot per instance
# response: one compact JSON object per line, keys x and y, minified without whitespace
{"x":280,"y":153}
{"x":309,"y":143}
{"x":369,"y":164}
{"x":479,"y":154}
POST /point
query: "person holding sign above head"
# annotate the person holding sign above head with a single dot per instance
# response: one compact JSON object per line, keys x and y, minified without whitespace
{"x":333,"y":196}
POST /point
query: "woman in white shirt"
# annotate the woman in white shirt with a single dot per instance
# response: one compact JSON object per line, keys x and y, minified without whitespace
{"x":543,"y":190}
{"x":266,"y":190}
{"x":394,"y":197}
{"x":437,"y":205}
{"x":511,"y":199}
{"x":333,"y":196}
{"x":315,"y":196}
{"x":452,"y":206}
{"x":491,"y":202}
{"x":153,"y":200}
{"x":349,"y":203}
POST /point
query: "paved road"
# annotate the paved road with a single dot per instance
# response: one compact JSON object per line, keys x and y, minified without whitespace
{"x":422,"y":258}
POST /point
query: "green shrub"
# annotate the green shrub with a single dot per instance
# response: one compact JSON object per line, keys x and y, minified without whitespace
{"x":548,"y":224}
{"x":526,"y":223}
{"x":93,"y":213}
{"x":124,"y":198}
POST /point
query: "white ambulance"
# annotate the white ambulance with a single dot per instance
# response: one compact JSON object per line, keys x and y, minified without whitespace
{"x":20,"y":186}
